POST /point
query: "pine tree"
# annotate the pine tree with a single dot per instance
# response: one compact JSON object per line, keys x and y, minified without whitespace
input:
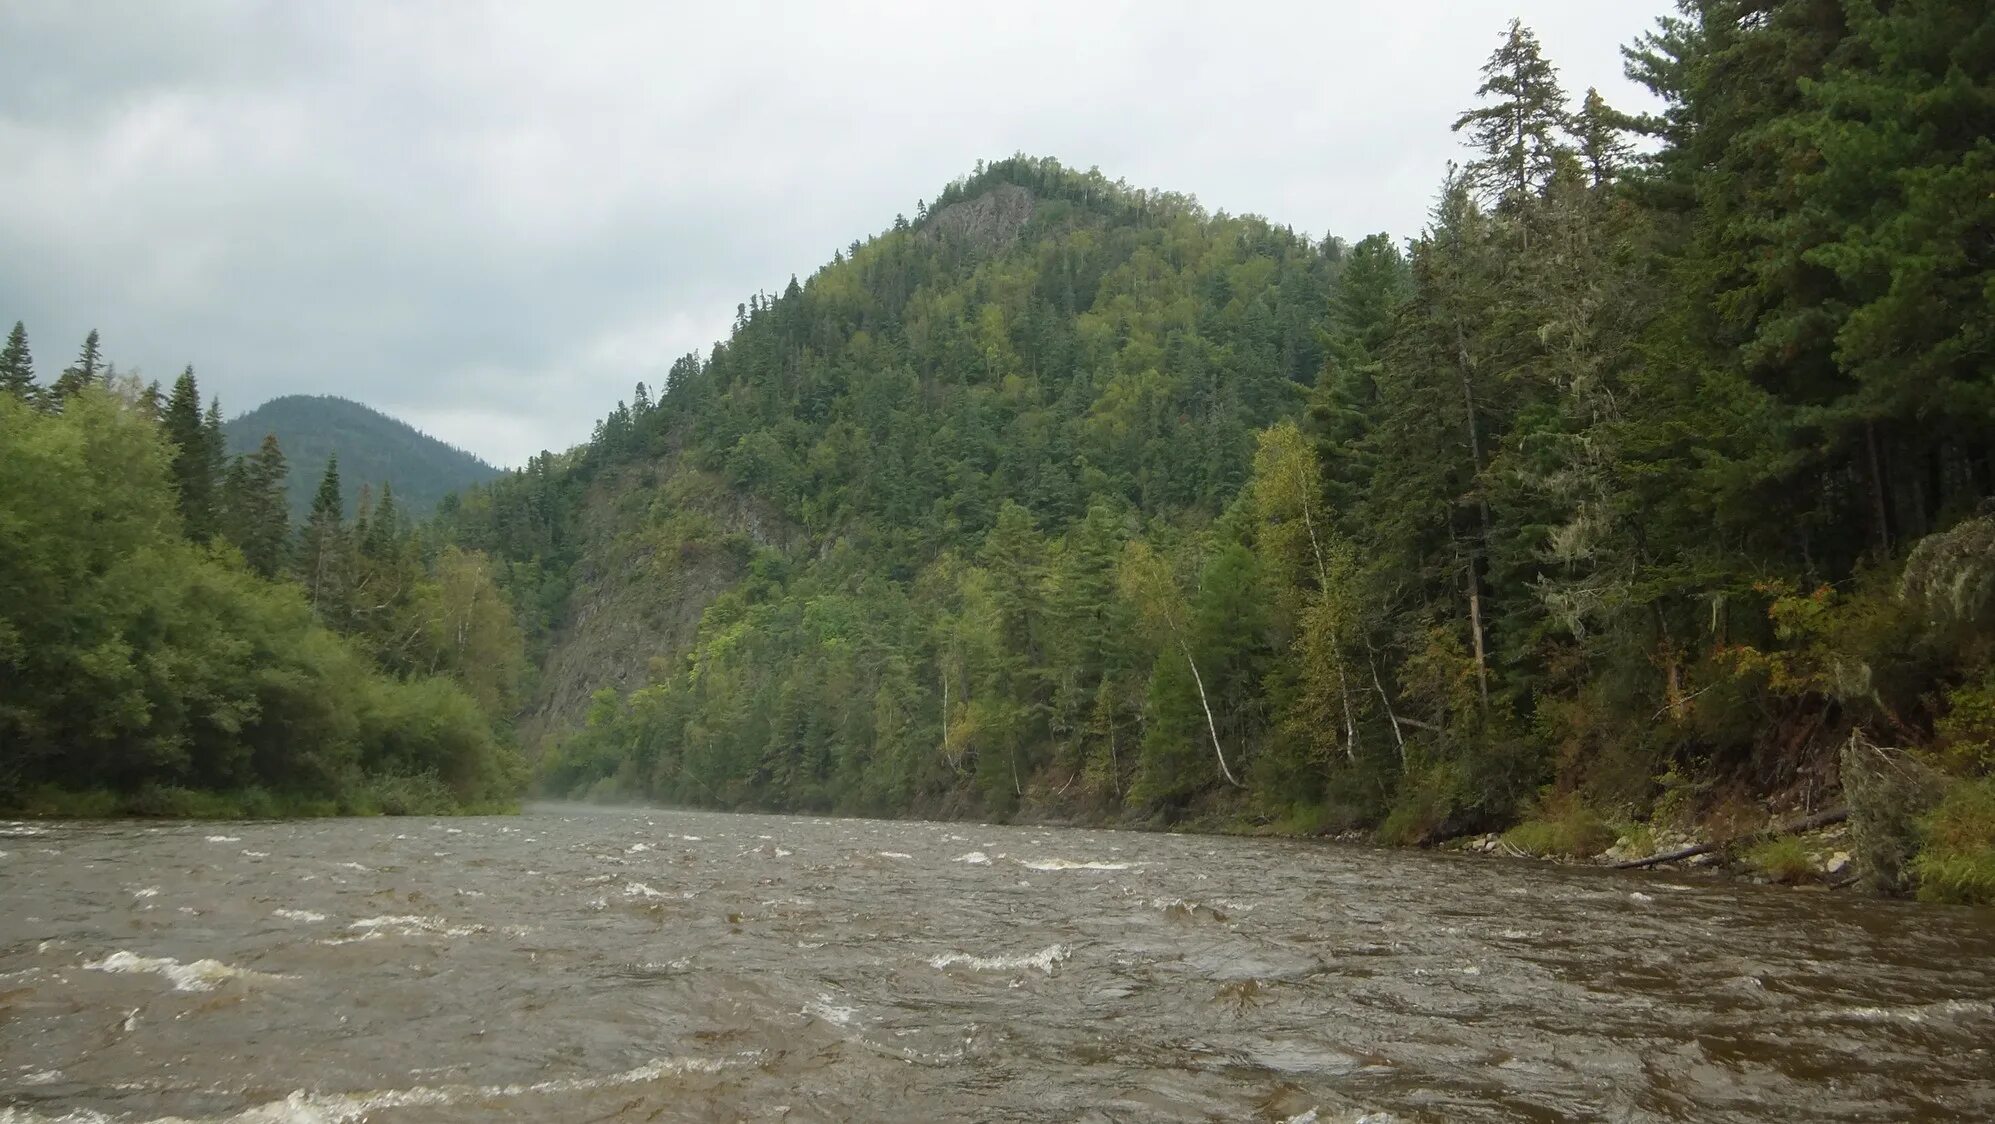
{"x":1518,"y":131}
{"x":17,"y":367}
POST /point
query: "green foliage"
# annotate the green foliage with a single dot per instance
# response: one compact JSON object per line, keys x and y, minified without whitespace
{"x":168,"y":672}
{"x":1783,"y":858}
{"x":1648,"y":479}
{"x":1957,"y":861}
{"x":1561,"y":825}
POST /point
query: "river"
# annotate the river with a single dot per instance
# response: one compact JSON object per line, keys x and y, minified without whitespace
{"x":584,"y":965}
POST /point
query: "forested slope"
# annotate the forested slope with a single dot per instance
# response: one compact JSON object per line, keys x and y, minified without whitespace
{"x":370,"y":446}
{"x":1649,"y":474}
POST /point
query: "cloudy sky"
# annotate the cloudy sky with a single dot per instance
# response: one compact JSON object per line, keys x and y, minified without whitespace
{"x":491,"y":219}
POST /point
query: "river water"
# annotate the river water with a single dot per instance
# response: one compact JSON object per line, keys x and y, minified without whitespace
{"x":570,"y":965}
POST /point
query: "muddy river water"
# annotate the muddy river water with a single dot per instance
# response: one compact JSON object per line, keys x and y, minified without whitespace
{"x":570,"y":965}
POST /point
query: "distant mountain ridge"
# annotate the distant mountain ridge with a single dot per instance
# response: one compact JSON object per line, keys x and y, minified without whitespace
{"x":372,"y":447}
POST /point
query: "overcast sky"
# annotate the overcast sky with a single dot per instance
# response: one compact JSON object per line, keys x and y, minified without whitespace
{"x":491,"y":219}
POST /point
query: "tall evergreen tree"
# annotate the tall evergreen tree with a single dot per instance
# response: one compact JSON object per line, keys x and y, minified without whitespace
{"x":1519,"y":130}
{"x":88,"y":370}
{"x":1600,"y":134}
{"x":193,"y":472}
{"x":17,"y":367}
{"x":322,"y":547}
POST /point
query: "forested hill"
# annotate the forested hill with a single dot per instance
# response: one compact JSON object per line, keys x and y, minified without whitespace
{"x":1644,"y":482}
{"x":372,"y":447}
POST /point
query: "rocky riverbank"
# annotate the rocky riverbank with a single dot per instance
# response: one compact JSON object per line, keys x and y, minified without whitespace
{"x":1820,"y":857}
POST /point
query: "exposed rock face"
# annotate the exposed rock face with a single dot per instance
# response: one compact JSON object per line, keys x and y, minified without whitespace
{"x":663,"y":543}
{"x":991,"y":221}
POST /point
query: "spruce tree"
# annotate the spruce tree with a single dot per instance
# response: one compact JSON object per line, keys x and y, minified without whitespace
{"x":322,"y":546}
{"x":194,"y":469}
{"x":88,"y":370}
{"x":17,"y":367}
{"x":267,"y":526}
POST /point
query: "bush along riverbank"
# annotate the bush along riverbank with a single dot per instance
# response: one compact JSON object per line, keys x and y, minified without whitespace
{"x":170,"y":647}
{"x":1901,"y":826}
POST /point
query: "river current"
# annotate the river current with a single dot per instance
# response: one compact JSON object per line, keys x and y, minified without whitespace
{"x":584,"y":965}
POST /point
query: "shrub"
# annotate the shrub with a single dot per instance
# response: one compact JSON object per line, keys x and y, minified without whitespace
{"x":1429,"y":802}
{"x":1561,"y":825}
{"x":1957,"y":861}
{"x":1783,"y":858}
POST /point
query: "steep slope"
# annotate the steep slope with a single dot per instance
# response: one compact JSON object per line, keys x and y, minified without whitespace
{"x":1039,"y":339}
{"x":373,"y":449}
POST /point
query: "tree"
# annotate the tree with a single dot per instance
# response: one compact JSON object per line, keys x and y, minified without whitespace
{"x":87,"y":371}
{"x":255,"y":515}
{"x":17,"y":367}
{"x":194,"y":478}
{"x":1599,"y":132}
{"x":1147,"y":582}
{"x":323,"y":548}
{"x":1518,"y":131}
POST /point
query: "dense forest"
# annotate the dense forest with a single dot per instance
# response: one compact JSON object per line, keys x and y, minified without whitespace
{"x":370,"y":445}
{"x":1650,"y":481}
{"x":170,"y":645}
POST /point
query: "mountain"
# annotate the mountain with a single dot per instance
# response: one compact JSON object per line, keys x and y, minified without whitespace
{"x":1645,"y":484}
{"x":373,"y":449}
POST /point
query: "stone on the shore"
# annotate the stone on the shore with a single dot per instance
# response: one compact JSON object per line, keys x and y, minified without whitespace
{"x":1837,"y":864}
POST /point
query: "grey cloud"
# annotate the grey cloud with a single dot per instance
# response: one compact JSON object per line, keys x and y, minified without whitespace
{"x":492,"y":219}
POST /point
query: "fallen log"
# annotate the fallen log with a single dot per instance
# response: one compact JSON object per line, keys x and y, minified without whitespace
{"x":1806,"y":823}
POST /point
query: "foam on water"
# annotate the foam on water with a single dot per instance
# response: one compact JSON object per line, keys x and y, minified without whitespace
{"x":1044,"y":960}
{"x":297,"y":915}
{"x":895,"y":855}
{"x":303,"y":1107}
{"x":224,"y":838}
{"x":1069,"y":864}
{"x":405,"y":925}
{"x":825,"y":1009}
{"x":974,"y":858}
{"x":201,"y":975}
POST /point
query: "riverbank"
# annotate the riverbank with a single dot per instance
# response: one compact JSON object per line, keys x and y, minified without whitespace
{"x":381,"y":796}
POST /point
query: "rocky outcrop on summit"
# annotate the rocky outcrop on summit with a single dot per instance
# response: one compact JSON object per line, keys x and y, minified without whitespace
{"x":991,"y":221}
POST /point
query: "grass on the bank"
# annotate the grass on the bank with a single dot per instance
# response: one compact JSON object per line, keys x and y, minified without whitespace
{"x":1784,"y":858}
{"x":1956,"y":864}
{"x":1561,"y":825}
{"x":378,"y":796}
